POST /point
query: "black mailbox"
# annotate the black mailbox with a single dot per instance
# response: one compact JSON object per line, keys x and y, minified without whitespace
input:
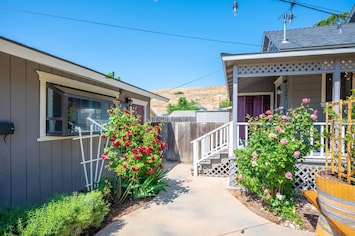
{"x":6,"y":128}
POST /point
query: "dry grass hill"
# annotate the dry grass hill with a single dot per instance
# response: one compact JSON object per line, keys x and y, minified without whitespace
{"x":208,"y":97}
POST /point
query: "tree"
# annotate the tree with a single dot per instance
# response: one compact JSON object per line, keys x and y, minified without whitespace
{"x":182,"y":105}
{"x":333,"y":19}
{"x":112,"y":75}
{"x":225,"y":103}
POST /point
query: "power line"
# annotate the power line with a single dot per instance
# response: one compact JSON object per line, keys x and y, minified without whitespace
{"x":128,"y":28}
{"x":191,"y":81}
{"x":312,"y":7}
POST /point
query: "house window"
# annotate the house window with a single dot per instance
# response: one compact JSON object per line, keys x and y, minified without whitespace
{"x":347,"y":80}
{"x":68,"y":108}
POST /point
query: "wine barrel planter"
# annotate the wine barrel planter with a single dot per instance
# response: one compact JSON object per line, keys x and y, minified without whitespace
{"x":336,"y":202}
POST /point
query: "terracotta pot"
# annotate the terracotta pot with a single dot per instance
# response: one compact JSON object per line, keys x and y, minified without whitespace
{"x":336,"y":202}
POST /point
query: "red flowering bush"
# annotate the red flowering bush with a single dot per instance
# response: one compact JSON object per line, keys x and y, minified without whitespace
{"x":134,"y":153}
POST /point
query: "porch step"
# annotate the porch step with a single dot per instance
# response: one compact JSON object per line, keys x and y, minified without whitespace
{"x":215,"y":166}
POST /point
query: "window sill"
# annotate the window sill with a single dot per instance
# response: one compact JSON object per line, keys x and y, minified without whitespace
{"x":57,"y":138}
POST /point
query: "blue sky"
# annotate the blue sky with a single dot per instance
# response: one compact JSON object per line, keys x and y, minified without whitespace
{"x":153,"y":61}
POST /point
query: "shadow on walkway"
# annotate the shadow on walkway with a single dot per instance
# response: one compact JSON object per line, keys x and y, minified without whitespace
{"x":173,"y":191}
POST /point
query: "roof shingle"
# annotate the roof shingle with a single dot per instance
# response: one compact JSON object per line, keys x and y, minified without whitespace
{"x":313,"y":37}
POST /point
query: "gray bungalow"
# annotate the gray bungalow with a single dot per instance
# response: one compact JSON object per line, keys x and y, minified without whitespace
{"x":317,"y":63}
{"x":42,"y":99}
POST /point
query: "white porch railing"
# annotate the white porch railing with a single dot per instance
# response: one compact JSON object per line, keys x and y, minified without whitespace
{"x":209,"y":144}
{"x":96,"y":163}
{"x":222,"y":138}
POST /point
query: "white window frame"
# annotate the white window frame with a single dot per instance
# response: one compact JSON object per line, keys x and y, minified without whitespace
{"x":141,"y":103}
{"x":44,"y":78}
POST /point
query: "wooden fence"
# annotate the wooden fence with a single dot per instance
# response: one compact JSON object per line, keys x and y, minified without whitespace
{"x":178,"y":136}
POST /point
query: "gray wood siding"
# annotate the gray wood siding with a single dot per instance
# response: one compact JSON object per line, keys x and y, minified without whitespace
{"x":5,"y":147}
{"x":32,"y":127}
{"x":306,"y":86}
{"x":32,"y":171}
{"x":18,"y":116}
{"x":257,"y":84}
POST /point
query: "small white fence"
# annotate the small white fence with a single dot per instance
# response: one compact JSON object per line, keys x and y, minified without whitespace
{"x":92,"y":162}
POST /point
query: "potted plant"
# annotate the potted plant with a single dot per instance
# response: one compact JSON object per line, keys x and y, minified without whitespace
{"x":335,"y":194}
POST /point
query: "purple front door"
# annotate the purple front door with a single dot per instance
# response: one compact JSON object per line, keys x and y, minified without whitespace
{"x":253,"y":106}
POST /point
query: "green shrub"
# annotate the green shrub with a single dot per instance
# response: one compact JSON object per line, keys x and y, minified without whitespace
{"x":67,"y":215}
{"x":12,"y":218}
{"x":277,"y":141}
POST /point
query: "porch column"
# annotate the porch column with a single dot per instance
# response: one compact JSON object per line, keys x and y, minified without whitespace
{"x":234,"y":111}
{"x":336,"y":82}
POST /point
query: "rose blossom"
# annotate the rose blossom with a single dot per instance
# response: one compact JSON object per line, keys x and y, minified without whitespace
{"x":314,"y":117}
{"x":128,"y":143}
{"x":315,"y":112}
{"x":104,"y":157}
{"x":268,"y":196}
{"x":283,"y":141}
{"x":261,"y":116}
{"x":151,"y":171}
{"x":288,"y":175}
{"x":306,"y":100}
{"x":296,"y":154}
{"x":268,"y":112}
{"x":135,"y":150}
{"x":240,"y":177}
{"x":272,"y":135}
{"x":254,"y":163}
{"x":279,"y":196}
{"x":279,"y":130}
{"x":270,"y":117}
{"x":255,"y":155}
{"x":266,"y":191}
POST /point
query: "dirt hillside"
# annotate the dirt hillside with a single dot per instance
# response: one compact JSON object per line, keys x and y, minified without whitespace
{"x":208,"y":97}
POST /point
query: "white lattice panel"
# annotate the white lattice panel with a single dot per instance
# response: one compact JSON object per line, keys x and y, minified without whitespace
{"x":346,"y":65}
{"x":287,"y":68}
{"x":304,"y":179}
{"x":218,"y":170}
{"x":305,"y":176}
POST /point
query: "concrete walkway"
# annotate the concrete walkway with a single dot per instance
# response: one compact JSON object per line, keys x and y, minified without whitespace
{"x":195,"y":206}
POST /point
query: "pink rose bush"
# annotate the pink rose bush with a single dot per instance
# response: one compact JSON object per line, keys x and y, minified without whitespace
{"x":134,"y":154}
{"x":276,"y":143}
